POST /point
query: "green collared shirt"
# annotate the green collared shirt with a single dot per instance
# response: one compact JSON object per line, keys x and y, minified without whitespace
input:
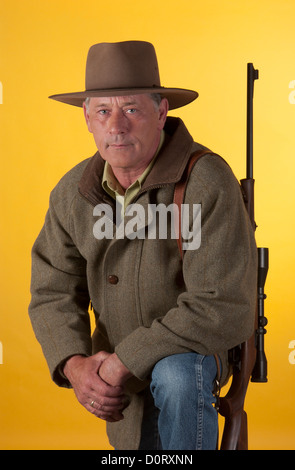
{"x":112,"y":186}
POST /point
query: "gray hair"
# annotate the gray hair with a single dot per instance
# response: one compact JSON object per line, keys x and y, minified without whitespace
{"x":156,"y":98}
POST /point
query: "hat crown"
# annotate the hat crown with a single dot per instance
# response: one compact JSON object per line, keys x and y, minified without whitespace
{"x":121,"y":69}
{"x":128,"y":64}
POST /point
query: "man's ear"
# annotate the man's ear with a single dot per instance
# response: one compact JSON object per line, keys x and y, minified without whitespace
{"x":163,"y":110}
{"x":86,"y":115}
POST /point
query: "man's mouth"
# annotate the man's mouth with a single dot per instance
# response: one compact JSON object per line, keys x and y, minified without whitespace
{"x":119,"y":145}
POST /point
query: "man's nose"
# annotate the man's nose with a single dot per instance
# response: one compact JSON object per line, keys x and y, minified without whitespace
{"x":117,"y":123}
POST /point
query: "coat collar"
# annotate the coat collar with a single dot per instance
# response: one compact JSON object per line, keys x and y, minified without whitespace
{"x":168,"y":168}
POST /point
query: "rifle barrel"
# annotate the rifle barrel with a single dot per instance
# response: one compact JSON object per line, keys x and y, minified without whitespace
{"x":252,"y":74}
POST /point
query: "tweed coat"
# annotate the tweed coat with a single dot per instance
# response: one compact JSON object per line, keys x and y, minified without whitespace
{"x":146,"y":302}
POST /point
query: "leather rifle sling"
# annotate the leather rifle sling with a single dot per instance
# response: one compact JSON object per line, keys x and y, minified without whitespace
{"x":178,"y":199}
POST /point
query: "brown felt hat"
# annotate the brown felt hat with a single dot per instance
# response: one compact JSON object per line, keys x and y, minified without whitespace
{"x":124,"y":68}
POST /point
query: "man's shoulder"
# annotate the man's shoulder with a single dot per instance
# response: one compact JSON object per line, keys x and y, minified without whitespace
{"x":212,"y":164}
{"x":74,"y":175}
{"x":212,"y":171}
{"x":67,"y":187}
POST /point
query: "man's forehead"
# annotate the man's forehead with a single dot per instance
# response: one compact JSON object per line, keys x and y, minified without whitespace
{"x":122,"y":100}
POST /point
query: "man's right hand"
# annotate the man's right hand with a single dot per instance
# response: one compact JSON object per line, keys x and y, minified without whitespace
{"x":98,"y":397}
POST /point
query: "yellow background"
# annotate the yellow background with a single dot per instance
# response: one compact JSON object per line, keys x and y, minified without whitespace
{"x":202,"y":45}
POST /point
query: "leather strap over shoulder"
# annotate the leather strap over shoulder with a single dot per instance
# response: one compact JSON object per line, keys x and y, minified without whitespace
{"x":180,"y":191}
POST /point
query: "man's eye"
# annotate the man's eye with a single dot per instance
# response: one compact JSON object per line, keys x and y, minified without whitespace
{"x":131,"y":111}
{"x":102,"y":111}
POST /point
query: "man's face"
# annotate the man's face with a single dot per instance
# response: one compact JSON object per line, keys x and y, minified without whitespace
{"x":126,"y":129}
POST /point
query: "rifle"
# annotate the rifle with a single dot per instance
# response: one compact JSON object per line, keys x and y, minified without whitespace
{"x":248,"y":358}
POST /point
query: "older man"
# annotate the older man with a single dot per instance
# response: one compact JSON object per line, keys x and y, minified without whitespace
{"x":149,"y":367}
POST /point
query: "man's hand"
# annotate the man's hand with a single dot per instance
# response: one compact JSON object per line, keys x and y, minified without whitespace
{"x":99,"y":397}
{"x":113,"y":371}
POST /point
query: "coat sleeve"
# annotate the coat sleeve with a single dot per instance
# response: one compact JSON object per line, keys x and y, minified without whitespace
{"x":216,"y":311}
{"x":59,"y":296}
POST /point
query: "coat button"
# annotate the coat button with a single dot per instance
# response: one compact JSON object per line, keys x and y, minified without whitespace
{"x":113,"y":279}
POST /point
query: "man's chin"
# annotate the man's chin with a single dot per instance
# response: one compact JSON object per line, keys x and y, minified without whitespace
{"x":120,"y":157}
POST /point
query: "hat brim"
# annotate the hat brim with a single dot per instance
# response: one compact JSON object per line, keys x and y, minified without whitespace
{"x":177,"y":97}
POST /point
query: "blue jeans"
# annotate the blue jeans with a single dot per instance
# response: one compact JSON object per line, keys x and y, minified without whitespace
{"x":179,"y":412}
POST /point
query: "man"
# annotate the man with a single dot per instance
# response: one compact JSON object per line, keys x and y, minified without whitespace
{"x":150,"y":366}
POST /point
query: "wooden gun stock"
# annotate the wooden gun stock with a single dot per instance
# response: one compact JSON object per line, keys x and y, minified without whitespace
{"x":235,"y":433}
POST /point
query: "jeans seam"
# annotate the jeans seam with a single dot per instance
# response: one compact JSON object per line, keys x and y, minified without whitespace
{"x":200,"y":410}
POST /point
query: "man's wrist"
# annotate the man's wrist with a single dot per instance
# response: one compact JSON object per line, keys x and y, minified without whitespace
{"x":70,"y":363}
{"x":113,"y":371}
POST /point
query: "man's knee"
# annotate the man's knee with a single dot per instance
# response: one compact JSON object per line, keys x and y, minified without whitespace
{"x":181,"y":372}
{"x":169,"y":372}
